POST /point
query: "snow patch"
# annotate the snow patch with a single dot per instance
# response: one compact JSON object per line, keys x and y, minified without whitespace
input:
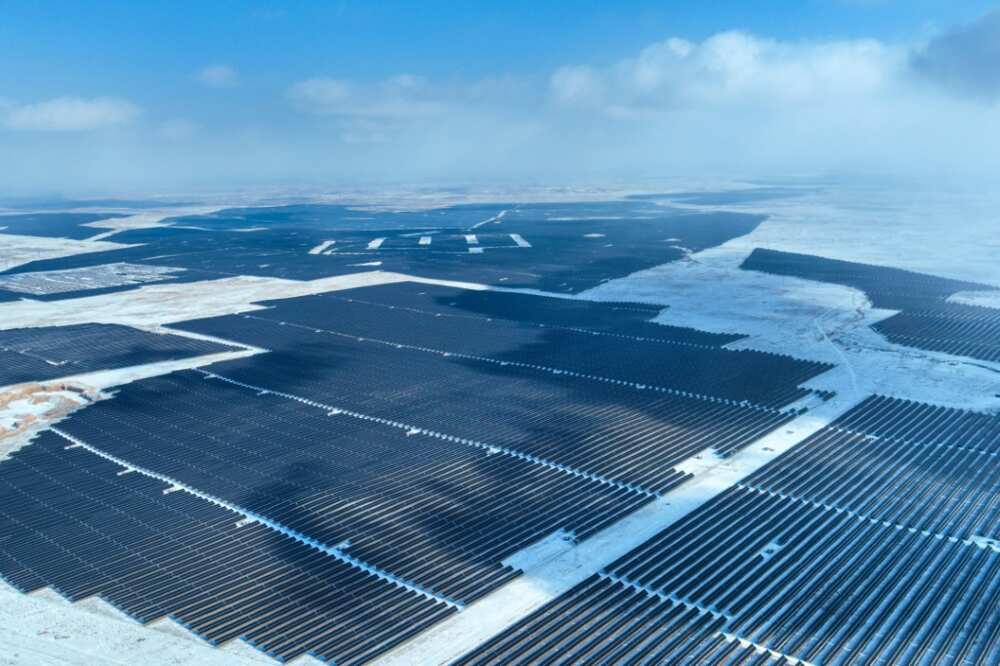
{"x":809,"y":320}
{"x":533,"y":556}
{"x":519,"y":240}
{"x":322,"y":247}
{"x":983,"y":299}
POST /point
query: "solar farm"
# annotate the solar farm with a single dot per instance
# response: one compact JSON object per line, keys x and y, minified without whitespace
{"x":348,"y":434}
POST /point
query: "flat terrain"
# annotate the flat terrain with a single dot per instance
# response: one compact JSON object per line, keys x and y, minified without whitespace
{"x":629,"y":427}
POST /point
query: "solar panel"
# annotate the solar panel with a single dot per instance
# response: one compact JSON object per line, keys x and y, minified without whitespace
{"x":48,"y":352}
{"x":86,"y":526}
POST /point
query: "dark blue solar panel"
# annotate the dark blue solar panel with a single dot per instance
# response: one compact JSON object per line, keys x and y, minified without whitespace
{"x":86,"y":526}
{"x":429,"y":509}
{"x":38,"y":354}
{"x":64,"y":225}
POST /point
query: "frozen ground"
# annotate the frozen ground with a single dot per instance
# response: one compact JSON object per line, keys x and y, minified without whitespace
{"x":43,"y":630}
{"x":147,"y":219}
{"x":828,"y":322}
{"x":41,"y":283}
{"x":16,"y":250}
{"x":154,"y":305}
{"x":950,"y":235}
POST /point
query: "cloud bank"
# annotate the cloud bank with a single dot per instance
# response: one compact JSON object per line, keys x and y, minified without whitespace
{"x":733,"y":105}
{"x":69,"y":114}
{"x":965,"y":60}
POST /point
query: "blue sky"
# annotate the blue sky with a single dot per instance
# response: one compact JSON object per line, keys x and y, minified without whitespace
{"x":150,"y":95}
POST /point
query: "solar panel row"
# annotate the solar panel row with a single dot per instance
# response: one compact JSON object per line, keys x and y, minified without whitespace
{"x":890,"y":288}
{"x":706,"y":372}
{"x":86,"y":526}
{"x":64,"y":225}
{"x":621,"y":319}
{"x":927,"y":321}
{"x":815,"y":584}
{"x":850,"y":548}
{"x":606,"y":429}
{"x":922,"y":467}
{"x":566,"y":247}
{"x":962,"y":330}
{"x":945,"y":491}
{"x":38,"y":354}
{"x":923,"y":424}
{"x":609,"y":622}
{"x":430,"y":510}
{"x":682,"y":366}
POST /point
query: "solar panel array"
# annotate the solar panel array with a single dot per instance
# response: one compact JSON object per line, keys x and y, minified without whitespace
{"x":48,"y":352}
{"x":54,"y":285}
{"x":422,"y":472}
{"x":613,"y":429}
{"x":870,"y":542}
{"x":679,"y":367}
{"x":963,"y":330}
{"x":922,"y":467}
{"x":86,"y":526}
{"x":605,"y":621}
{"x":64,"y":225}
{"x":564,"y":247}
{"x":429,"y":509}
{"x":890,"y":288}
{"x":610,"y":318}
{"x":926,"y":321}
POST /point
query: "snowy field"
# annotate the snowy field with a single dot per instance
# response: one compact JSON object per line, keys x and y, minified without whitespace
{"x":945,"y":235}
{"x":950,"y":235}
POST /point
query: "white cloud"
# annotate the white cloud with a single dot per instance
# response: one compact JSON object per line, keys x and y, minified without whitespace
{"x":730,"y":68}
{"x":219,"y":76}
{"x":734,"y":105}
{"x":399,"y":98}
{"x":69,"y":114}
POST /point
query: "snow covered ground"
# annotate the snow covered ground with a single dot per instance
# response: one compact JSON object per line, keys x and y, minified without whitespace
{"x":146,"y":219}
{"x":41,"y":629}
{"x":16,"y":250}
{"x":154,"y":305}
{"x":828,"y":322}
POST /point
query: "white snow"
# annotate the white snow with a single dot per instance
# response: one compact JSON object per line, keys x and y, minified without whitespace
{"x":153,"y":305}
{"x":16,"y":250}
{"x":322,"y":247}
{"x":119,"y":274}
{"x":43,"y":630}
{"x":986,"y":299}
{"x":950,"y":233}
{"x":810,"y":320}
{"x":147,"y":219}
{"x":496,"y":219}
{"x":533,"y":556}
